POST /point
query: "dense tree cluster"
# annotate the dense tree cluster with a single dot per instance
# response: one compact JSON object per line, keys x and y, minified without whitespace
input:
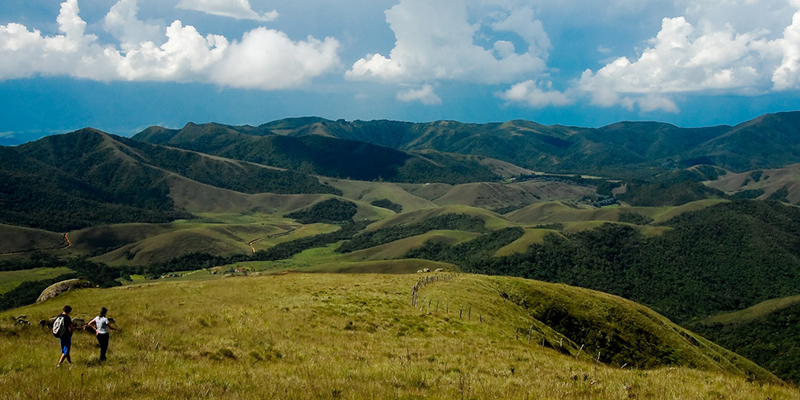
{"x":445,"y":168}
{"x":671,"y":189}
{"x":35,"y":260}
{"x":387,"y":204}
{"x":771,"y":341}
{"x":98,"y":273}
{"x":482,"y":247}
{"x":635,"y":218}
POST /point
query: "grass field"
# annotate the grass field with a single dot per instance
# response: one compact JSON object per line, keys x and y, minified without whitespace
{"x":11,"y":279}
{"x":324,"y":336}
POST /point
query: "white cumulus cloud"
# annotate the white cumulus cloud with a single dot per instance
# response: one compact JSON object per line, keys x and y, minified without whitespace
{"x":425,"y":95}
{"x":263,"y":59}
{"x":239,"y":9}
{"x":731,"y":47}
{"x":787,"y":75}
{"x":122,"y":22}
{"x":536,"y":95}
{"x":436,"y":40}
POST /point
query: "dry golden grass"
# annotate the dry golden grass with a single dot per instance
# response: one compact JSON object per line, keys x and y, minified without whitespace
{"x":498,"y":195}
{"x":321,"y":336}
{"x":770,"y":181}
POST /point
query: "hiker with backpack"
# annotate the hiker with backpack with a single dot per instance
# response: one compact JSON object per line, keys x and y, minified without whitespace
{"x":62,"y":329}
{"x":100,"y":324}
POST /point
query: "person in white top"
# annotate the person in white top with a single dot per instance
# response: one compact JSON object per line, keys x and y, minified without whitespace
{"x":100,"y":324}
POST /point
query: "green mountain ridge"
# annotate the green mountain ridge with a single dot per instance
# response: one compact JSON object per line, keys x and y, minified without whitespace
{"x":768,"y":141}
{"x":322,"y":155}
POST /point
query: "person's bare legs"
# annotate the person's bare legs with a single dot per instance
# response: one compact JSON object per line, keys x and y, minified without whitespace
{"x":65,"y":355}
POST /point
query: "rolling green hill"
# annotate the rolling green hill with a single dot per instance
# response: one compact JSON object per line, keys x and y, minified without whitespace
{"x":358,"y":336}
{"x":18,"y":240}
{"x":782,"y":184}
{"x":88,"y":178}
{"x":322,"y":155}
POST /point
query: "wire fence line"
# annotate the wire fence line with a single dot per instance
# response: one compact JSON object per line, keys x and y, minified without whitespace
{"x":532,"y":335}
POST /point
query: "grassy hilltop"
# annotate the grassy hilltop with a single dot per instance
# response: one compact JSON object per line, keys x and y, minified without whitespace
{"x":358,"y":336}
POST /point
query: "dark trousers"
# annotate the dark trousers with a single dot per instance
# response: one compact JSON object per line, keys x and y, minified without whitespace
{"x":103,"y":340}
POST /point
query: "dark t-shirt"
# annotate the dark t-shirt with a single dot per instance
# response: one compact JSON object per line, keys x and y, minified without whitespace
{"x":68,"y":323}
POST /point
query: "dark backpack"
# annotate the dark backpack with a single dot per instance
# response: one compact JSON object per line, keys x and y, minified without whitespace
{"x":59,"y":327}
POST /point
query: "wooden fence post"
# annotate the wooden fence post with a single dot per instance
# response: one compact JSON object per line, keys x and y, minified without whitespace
{"x":579,"y":352}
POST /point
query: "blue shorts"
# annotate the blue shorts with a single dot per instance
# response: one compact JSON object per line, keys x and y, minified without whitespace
{"x":66,"y":343}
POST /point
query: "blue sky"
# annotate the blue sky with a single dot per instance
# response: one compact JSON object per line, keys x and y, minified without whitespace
{"x":123,"y":65}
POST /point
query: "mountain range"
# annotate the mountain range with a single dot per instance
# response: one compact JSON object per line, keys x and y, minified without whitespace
{"x":769,"y":141}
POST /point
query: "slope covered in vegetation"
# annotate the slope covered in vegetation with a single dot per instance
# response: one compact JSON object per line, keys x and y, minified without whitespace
{"x":693,"y":270}
{"x":358,"y":336}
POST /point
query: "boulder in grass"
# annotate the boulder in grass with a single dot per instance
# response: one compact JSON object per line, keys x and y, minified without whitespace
{"x":61,"y":287}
